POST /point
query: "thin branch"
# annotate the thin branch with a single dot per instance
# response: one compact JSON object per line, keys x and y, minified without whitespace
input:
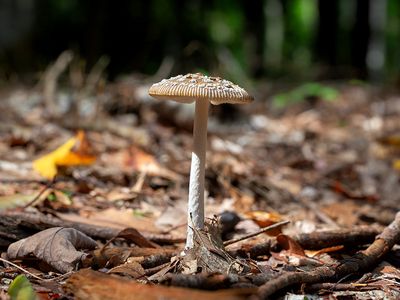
{"x":360,"y":262}
{"x":250,"y":235}
{"x":48,"y":185}
{"x":33,"y":275}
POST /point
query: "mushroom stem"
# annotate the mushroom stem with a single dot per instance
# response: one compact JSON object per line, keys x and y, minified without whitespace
{"x":196,"y":185}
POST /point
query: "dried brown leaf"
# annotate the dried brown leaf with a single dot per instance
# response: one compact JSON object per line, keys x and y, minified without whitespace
{"x":132,"y":269}
{"x":88,"y":284}
{"x":133,"y":235}
{"x":56,"y":246}
{"x":264,"y":219}
{"x":290,"y":245}
{"x":314,"y":253}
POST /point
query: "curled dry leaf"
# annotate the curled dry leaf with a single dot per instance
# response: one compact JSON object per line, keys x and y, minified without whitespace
{"x":290,"y":245}
{"x":133,"y":235}
{"x":131,"y":269}
{"x":56,"y":246}
{"x":294,"y":254}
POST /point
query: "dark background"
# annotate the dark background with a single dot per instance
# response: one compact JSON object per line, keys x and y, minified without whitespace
{"x":279,"y":39}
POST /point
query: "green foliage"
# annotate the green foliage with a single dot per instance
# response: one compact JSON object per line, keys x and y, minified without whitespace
{"x":301,"y":93}
{"x":21,"y":289}
{"x":304,"y":14}
{"x":226,"y":28}
{"x":301,"y":19}
{"x":226,"y":25}
{"x":162,"y":13}
{"x":66,"y":10}
{"x":392,"y":34}
{"x":52,"y":197}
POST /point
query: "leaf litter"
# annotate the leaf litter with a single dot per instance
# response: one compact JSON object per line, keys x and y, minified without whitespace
{"x":328,"y":167}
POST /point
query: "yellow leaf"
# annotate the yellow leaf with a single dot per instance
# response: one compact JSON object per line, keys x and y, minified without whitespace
{"x":396,"y":164}
{"x":75,"y":151}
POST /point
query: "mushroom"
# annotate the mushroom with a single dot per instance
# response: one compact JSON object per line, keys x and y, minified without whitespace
{"x":202,"y":89}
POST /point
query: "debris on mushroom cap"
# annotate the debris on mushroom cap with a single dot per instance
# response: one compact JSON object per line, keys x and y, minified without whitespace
{"x":190,"y":87}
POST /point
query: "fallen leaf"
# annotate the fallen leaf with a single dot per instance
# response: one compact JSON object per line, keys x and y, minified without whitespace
{"x":132,"y":269}
{"x":313,"y":253}
{"x":75,"y":151}
{"x":132,"y":235}
{"x":88,"y":284}
{"x":293,"y":253}
{"x":21,"y":289}
{"x":345,"y":213}
{"x":56,"y":246}
{"x":264,"y":219}
{"x":340,"y":188}
{"x":388,"y":270}
{"x":290,"y":245}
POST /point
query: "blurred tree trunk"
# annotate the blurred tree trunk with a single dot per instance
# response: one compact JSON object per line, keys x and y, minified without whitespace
{"x":376,"y":49}
{"x":326,"y":44}
{"x":360,"y":38}
{"x":274,"y":34}
{"x":255,"y":32}
{"x":16,"y":19}
{"x":392,"y":40}
{"x":94,"y":41}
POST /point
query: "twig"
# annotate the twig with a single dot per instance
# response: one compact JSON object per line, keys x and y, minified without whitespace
{"x":254,"y":251}
{"x":21,"y":269}
{"x":250,"y":235}
{"x":38,"y":221}
{"x":207,"y":281}
{"x":154,"y":270}
{"x":361,"y":261}
{"x":22,"y":181}
{"x":359,"y":235}
{"x":48,"y":185}
{"x":137,"y":188}
{"x":33,"y":275}
{"x":327,"y":286}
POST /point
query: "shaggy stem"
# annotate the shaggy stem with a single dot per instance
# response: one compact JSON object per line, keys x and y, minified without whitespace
{"x":196,"y":185}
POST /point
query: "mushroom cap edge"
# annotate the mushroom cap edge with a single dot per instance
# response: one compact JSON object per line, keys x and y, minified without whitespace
{"x":198,"y":87}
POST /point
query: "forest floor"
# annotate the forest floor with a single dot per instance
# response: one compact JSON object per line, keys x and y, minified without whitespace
{"x":331,"y":168}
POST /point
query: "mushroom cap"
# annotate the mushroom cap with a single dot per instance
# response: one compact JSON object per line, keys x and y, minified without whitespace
{"x":190,"y":87}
